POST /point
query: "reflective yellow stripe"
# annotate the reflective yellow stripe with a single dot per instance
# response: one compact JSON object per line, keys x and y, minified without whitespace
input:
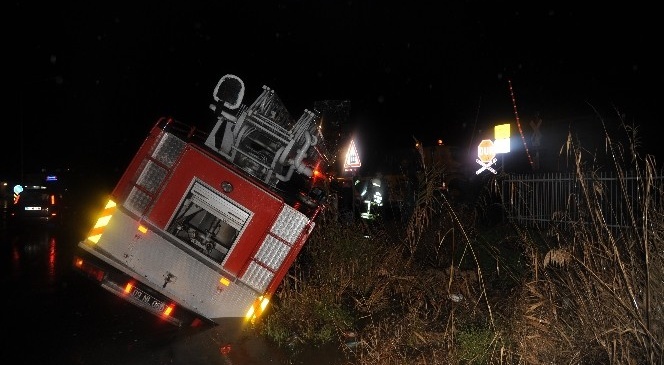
{"x":104,"y":217}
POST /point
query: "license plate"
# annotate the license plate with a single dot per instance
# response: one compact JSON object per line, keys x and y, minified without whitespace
{"x":147,"y":299}
{"x":32,"y":208}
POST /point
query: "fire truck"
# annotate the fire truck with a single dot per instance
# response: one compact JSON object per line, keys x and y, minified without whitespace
{"x":203,"y":226}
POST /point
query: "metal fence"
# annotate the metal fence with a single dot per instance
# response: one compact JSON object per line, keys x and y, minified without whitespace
{"x":564,"y":199}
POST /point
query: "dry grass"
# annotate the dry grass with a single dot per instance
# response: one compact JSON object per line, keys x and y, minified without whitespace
{"x":597,"y":295}
{"x":447,"y":289}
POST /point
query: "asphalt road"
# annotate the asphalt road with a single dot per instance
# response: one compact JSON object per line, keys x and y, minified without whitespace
{"x":53,"y":315}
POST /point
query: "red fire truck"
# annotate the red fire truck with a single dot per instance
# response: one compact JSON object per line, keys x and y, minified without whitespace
{"x":204,"y":226}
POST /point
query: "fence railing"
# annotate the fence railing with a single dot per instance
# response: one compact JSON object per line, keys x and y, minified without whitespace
{"x":565,"y":199}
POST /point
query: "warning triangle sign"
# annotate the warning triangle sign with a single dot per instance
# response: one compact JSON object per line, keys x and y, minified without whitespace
{"x":352,"y":157}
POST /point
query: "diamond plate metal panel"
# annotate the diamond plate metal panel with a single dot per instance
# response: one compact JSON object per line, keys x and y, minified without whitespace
{"x":289,"y":224}
{"x":137,"y":201}
{"x":272,"y":252}
{"x":151,"y":177}
{"x":168,"y":150}
{"x":257,"y":277}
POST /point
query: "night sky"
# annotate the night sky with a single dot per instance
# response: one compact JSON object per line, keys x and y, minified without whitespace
{"x":87,"y":81}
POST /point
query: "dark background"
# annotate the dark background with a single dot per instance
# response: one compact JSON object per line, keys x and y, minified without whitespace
{"x":88,"y":79}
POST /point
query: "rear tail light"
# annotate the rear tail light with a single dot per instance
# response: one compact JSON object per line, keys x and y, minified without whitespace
{"x":92,"y":271}
{"x":168,"y":310}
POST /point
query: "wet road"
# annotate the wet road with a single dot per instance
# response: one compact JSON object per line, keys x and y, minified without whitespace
{"x":55,"y":316}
